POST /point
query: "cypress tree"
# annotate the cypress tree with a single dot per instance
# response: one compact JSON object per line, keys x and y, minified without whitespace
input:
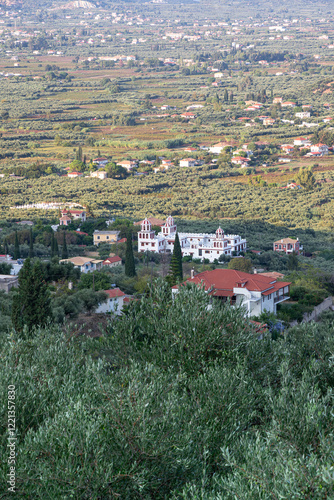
{"x":6,"y":247}
{"x":31,"y":304}
{"x":178,"y":255}
{"x":31,"y":245}
{"x":130,"y":268}
{"x":64,"y":253}
{"x":56,"y":249}
{"x":175,"y":271}
{"x":16,"y":247}
{"x":52,"y":245}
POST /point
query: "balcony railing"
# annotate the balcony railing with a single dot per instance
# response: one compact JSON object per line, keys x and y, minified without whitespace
{"x":280,"y":298}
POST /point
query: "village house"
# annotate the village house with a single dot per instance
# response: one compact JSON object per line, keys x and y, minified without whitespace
{"x":303,"y":114}
{"x":65,"y":220}
{"x":302,"y":141}
{"x":99,"y":174}
{"x":287,"y":245}
{"x":161,"y":168}
{"x":16,"y":264}
{"x":114,"y":303}
{"x":112,"y":261}
{"x":268,"y":121}
{"x":68,"y":215}
{"x":101,"y":162}
{"x":277,"y":100}
{"x":219,"y":147}
{"x":256,"y":293}
{"x":292,"y":185}
{"x":7,"y":282}
{"x":166,"y":163}
{"x":288,"y":104}
{"x":240,"y":160}
{"x":105,"y":237}
{"x":198,"y":246}
{"x":128,"y":164}
{"x":187,"y":162}
{"x":319,"y":148}
{"x":73,"y":175}
{"x":85,"y":264}
{"x":188,"y":115}
{"x":287,"y":148}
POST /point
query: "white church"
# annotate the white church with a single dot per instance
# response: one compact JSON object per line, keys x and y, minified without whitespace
{"x":198,"y":246}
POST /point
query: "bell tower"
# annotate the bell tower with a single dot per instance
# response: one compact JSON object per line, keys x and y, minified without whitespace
{"x":169,"y":228}
{"x":146,"y":232}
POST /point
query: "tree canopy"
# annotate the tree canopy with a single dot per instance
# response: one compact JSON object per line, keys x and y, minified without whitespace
{"x":176,"y":400}
{"x":31,"y":303}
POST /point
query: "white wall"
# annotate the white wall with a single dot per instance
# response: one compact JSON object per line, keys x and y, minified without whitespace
{"x":114,"y":305}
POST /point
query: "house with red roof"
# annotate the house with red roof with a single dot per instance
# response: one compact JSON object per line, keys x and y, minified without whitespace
{"x":254,"y":292}
{"x":188,"y":115}
{"x":287,"y":245}
{"x":74,"y":174}
{"x":320,"y":148}
{"x":112,"y":261}
{"x":187,"y":162}
{"x":240,"y":160}
{"x":114,"y":302}
{"x":68,"y":215}
{"x":287,"y":148}
{"x":302,"y":141}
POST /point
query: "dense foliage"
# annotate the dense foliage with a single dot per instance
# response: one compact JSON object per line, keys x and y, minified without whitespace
{"x":174,"y":401}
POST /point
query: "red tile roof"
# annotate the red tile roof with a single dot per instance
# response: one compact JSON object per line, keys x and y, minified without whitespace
{"x":222,"y":281}
{"x":153,"y":220}
{"x":114,"y":292}
{"x":111,"y":260}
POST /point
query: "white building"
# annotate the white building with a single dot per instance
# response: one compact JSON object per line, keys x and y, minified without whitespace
{"x":188,"y":162}
{"x":254,"y":292}
{"x":198,"y":246}
{"x":303,"y":114}
{"x":219,"y":147}
{"x":320,"y":148}
{"x":74,"y":214}
{"x":302,"y":141}
{"x":99,"y":174}
{"x":16,"y":264}
{"x":114,"y":302}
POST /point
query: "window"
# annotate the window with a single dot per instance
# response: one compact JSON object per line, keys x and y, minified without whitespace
{"x":98,"y":237}
{"x":107,"y":237}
